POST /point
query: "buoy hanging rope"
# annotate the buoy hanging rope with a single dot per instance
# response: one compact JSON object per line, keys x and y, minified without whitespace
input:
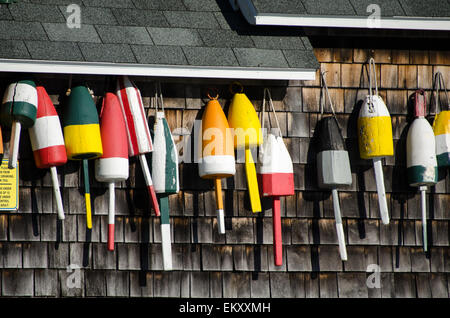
{"x":330,"y":101}
{"x":269,"y":97}
{"x":439,"y":84}
{"x":372,"y":74}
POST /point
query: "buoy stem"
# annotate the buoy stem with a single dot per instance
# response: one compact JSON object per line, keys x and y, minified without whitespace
{"x":111,"y":215}
{"x":379,"y":179}
{"x":149,"y":183}
{"x":339,"y":226}
{"x":423,"y":203}
{"x":277,"y":237}
{"x":219,"y":205}
{"x":15,"y":138}
{"x":252,"y":181}
{"x":87,"y":194}
{"x":57,"y":193}
{"x":165,"y":233}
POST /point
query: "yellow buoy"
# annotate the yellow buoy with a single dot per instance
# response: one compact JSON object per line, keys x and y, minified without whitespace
{"x":375,"y":137}
{"x":247,"y":132}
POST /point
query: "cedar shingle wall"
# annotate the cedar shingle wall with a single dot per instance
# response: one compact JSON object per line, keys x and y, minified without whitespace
{"x":34,"y":262}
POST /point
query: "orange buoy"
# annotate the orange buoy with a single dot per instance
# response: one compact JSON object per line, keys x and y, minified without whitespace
{"x":217,"y":156}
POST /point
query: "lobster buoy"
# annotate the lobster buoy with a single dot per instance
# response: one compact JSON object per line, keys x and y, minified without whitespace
{"x":47,"y":142}
{"x":217,"y":156}
{"x":421,"y":156}
{"x":247,"y":132}
{"x":82,"y":135}
{"x":333,"y":169}
{"x":441,"y":124}
{"x":138,"y":134}
{"x":165,"y":175}
{"x":112,"y":166}
{"x":275,"y":176}
{"x":375,"y":140}
{"x":19,"y":108}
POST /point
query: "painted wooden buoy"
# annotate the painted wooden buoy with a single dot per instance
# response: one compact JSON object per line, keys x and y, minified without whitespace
{"x":47,"y":142}
{"x":19,"y":109}
{"x":165,"y":176}
{"x":333,"y":169}
{"x":138,"y":134}
{"x":275,"y":174}
{"x":247,"y":133}
{"x":441,"y":124}
{"x":217,"y":156}
{"x":82,"y":135}
{"x":112,"y":166}
{"x":375,"y":139}
{"x":421,"y":156}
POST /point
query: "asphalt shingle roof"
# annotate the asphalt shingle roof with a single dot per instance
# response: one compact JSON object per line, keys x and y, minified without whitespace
{"x":389,"y":8}
{"x":162,"y":32}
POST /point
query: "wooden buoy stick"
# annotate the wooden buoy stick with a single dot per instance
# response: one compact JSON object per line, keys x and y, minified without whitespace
{"x":277,"y":239}
{"x":87,"y":194}
{"x":339,"y":226}
{"x":379,"y":179}
{"x":57,"y":193}
{"x":149,"y":183}
{"x":165,"y":233}
{"x":111,"y":215}
{"x":15,"y":139}
{"x":423,"y":203}
{"x":252,"y":181}
{"x":219,"y":205}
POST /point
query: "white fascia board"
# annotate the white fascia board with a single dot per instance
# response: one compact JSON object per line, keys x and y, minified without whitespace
{"x":403,"y":23}
{"x":94,"y":68}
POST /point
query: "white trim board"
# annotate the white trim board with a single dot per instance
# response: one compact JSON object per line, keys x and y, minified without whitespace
{"x":98,"y":68}
{"x":397,"y":22}
{"x":400,"y":23}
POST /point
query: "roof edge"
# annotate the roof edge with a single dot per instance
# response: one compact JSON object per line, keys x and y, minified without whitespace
{"x":399,"y":23}
{"x":365,"y":22}
{"x":103,"y":68}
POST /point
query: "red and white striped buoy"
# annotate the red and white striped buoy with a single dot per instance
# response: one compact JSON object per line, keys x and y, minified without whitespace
{"x":139,"y":139}
{"x":47,"y":142}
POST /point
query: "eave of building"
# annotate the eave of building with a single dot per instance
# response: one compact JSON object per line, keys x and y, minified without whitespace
{"x":100,"y":68}
{"x":369,"y":22}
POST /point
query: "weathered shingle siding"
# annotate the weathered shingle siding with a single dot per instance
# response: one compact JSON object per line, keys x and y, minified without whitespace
{"x":36,"y":251}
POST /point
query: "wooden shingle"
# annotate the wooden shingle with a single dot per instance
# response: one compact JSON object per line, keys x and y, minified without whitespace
{"x":352,"y":285}
{"x":17,"y":282}
{"x":199,"y":286}
{"x":404,"y":285}
{"x":35,"y":255}
{"x":260,"y":285}
{"x":117,"y":284}
{"x":236,"y":284}
{"x":95,"y":283}
{"x":10,"y":255}
{"x":141,"y":284}
{"x":46,"y":283}
{"x":215,"y":284}
{"x":328,"y":285}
